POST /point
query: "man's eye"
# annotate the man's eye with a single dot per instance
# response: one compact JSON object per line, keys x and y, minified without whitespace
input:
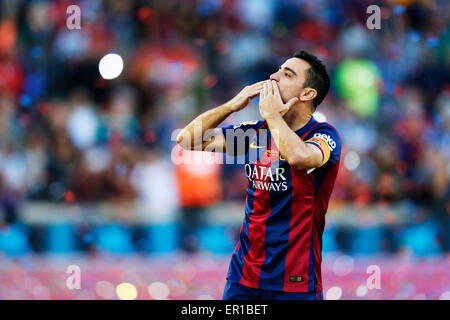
{"x":287,"y":74}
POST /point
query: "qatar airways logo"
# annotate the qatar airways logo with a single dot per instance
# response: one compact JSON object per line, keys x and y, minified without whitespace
{"x":266,"y":178}
{"x":328,"y":139}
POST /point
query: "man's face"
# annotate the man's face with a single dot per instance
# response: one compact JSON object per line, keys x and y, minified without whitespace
{"x":290,"y":78}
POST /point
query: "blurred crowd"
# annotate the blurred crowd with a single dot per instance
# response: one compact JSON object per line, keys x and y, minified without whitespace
{"x":68,"y":135}
{"x":202,"y":278}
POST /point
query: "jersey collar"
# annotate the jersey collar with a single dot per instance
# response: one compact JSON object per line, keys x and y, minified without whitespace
{"x":300,"y":131}
{"x":306,"y":127}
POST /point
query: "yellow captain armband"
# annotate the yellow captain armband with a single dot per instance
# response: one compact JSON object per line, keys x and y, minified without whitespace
{"x":323,"y":146}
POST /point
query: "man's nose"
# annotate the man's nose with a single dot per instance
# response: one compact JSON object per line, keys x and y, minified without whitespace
{"x":275,"y":76}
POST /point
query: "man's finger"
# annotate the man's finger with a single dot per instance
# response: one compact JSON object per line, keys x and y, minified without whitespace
{"x":259,"y":84}
{"x":265,"y":92}
{"x":276,"y":90}
{"x":255,"y":92}
{"x":270,"y":87}
{"x":291,"y":102}
{"x":256,"y":89}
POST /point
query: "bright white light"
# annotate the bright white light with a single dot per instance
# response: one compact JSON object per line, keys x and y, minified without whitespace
{"x":82,"y":125}
{"x":158,"y":290}
{"x":319,"y":116}
{"x":445,"y":296}
{"x":110,"y":66}
{"x":334,"y":293}
{"x":361,"y":291}
{"x":351,"y":160}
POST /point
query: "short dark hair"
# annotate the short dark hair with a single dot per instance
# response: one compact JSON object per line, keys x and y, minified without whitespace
{"x":316,"y":76}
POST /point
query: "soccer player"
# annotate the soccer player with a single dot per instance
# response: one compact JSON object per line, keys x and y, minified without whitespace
{"x":291,"y":161}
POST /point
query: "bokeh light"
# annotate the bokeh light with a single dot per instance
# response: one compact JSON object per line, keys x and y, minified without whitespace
{"x":176,"y":287}
{"x":445,"y":296}
{"x":110,"y":66}
{"x":351,"y":160}
{"x":361,"y":291}
{"x":334,"y":293}
{"x":356,"y":81}
{"x":105,"y":289}
{"x":126,"y":291}
{"x":158,"y":290}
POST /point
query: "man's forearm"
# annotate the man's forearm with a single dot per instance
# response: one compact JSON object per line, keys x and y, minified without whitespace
{"x":210,"y":119}
{"x":288,"y":142}
{"x":191,"y":137}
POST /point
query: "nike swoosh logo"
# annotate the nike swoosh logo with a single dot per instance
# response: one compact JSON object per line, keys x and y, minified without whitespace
{"x":252,"y":145}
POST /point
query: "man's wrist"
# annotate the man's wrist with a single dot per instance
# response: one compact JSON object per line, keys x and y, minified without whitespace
{"x":275,"y":116}
{"x":229,"y":107}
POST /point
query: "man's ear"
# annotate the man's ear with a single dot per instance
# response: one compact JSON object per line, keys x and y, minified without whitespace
{"x":308,"y":94}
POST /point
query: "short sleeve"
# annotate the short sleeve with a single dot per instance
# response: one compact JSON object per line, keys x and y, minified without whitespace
{"x":327,"y":139}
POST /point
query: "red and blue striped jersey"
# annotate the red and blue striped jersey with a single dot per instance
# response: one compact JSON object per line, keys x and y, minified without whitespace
{"x":280,"y":243}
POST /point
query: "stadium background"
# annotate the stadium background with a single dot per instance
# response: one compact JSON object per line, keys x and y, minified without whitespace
{"x":86,"y":172}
